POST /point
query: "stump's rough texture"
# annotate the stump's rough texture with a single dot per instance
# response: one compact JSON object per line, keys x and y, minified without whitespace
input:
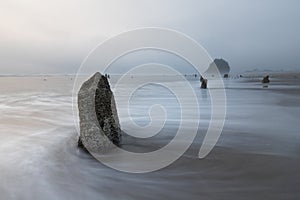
{"x":99,"y":123}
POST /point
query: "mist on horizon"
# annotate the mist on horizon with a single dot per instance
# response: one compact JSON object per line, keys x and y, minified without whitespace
{"x":54,"y":37}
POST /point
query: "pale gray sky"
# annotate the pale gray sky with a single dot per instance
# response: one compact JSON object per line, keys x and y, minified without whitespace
{"x":54,"y":36}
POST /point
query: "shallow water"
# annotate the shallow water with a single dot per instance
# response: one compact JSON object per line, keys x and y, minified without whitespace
{"x":256,"y":157}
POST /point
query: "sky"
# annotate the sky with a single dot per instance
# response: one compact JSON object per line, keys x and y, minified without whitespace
{"x":54,"y":36}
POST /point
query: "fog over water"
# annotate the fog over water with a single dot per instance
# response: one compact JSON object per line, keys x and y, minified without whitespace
{"x":43,"y":45}
{"x":53,"y":37}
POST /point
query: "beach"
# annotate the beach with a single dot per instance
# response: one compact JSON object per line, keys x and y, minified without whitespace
{"x":257,"y":155}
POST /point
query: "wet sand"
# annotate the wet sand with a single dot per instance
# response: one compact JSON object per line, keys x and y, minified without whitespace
{"x":256,"y":157}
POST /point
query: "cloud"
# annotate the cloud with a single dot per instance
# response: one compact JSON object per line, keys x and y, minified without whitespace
{"x":53,"y":36}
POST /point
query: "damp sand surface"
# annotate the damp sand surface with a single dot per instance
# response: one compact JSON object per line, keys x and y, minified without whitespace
{"x":256,"y":157}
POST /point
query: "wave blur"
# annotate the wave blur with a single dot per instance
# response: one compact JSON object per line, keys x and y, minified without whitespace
{"x":257,"y":156}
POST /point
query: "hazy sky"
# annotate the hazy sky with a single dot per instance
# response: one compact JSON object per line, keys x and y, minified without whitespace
{"x":54,"y":36}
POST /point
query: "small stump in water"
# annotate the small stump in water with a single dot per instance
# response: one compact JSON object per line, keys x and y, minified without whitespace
{"x":203,"y":83}
{"x":266,"y":79}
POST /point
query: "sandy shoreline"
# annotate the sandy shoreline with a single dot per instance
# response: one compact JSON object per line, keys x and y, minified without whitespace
{"x":256,"y":157}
